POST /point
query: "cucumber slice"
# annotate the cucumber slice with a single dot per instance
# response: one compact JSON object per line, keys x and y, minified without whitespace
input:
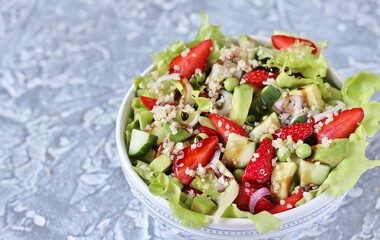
{"x":263,"y":105}
{"x":141,"y":143}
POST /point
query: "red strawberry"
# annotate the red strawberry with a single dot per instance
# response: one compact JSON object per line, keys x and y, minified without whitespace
{"x":342,"y":126}
{"x":210,"y":132}
{"x":226,"y":126}
{"x":148,"y":102}
{"x":283,"y":42}
{"x":298,"y":131}
{"x":242,"y":200}
{"x":290,"y":202}
{"x":195,"y":59}
{"x":257,"y":76}
{"x":187,"y":189}
{"x":190,"y":158}
{"x":259,"y":168}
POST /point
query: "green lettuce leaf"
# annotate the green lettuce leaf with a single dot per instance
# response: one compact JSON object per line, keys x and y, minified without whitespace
{"x":357,"y":92}
{"x":344,"y":177}
{"x":204,"y":104}
{"x":209,"y":31}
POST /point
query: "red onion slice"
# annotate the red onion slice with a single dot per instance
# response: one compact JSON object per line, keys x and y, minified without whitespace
{"x":318,"y":117}
{"x":283,"y":117}
{"x":227,"y":102}
{"x":293,"y":102}
{"x":187,"y":90}
{"x":172,"y":76}
{"x":214,"y":161}
{"x":256,"y":196}
{"x":195,"y":120}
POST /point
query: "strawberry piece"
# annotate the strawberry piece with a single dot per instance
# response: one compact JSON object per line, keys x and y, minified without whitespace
{"x":210,"y":132}
{"x":282,"y":42}
{"x":195,"y":59}
{"x":342,"y":126}
{"x":226,"y":126}
{"x":190,"y":158}
{"x":263,"y":205}
{"x":187,"y":189}
{"x":242,"y":199}
{"x":259,"y":168}
{"x":298,"y":131}
{"x":148,"y":102}
{"x":290,"y":202}
{"x":256,"y":77}
{"x":244,"y":196}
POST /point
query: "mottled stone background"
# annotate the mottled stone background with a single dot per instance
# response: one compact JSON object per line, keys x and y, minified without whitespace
{"x":64,"y":68}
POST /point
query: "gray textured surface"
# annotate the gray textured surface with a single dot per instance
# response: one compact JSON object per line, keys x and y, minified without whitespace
{"x":64,"y":68}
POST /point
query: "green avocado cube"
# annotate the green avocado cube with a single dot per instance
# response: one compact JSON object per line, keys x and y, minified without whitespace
{"x":203,"y":205}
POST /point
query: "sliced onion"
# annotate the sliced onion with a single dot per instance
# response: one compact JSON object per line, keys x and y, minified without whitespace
{"x":187,"y":90}
{"x":220,"y":187}
{"x":318,"y":117}
{"x":283,"y":117}
{"x":295,"y":100}
{"x":195,"y":119}
{"x":227,"y":103}
{"x":214,"y":161}
{"x":256,"y":196}
{"x":172,"y":76}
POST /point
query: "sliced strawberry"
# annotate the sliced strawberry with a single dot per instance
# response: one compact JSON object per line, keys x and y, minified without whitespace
{"x":242,"y":199}
{"x":290,"y":202}
{"x":148,"y":102}
{"x":196,"y":58}
{"x":282,"y":42}
{"x":259,"y":168}
{"x":190,"y":158}
{"x":226,"y":126}
{"x":257,"y":77}
{"x":342,"y":126}
{"x":244,"y":196}
{"x":210,"y":132}
{"x":298,"y":131}
{"x":263,"y":205}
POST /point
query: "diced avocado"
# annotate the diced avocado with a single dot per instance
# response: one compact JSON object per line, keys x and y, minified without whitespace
{"x":282,"y":176}
{"x":207,"y":185}
{"x":203,"y":205}
{"x":204,"y":121}
{"x":263,"y":104}
{"x":144,"y":116}
{"x":239,"y":151}
{"x":180,"y":136}
{"x":271,"y":123}
{"x":217,"y":73}
{"x":188,"y":202}
{"x":241,"y":100}
{"x":159,"y":132}
{"x":160,"y":163}
{"x":149,"y":156}
{"x":238,"y":174}
{"x":312,"y":173}
{"x":141,"y":143}
{"x":311,"y":95}
{"x":333,"y":154}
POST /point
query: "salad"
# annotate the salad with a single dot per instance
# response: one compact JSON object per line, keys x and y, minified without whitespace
{"x":232,"y":128}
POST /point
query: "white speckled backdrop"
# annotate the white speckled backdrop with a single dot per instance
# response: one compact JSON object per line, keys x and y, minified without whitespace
{"x":64,"y":68}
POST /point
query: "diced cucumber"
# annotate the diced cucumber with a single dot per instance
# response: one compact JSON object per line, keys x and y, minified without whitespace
{"x":141,"y":143}
{"x":241,"y":101}
{"x":282,"y":176}
{"x":144,"y":116}
{"x":203,"y":205}
{"x":271,"y":123}
{"x":128,"y":131}
{"x":149,"y":156}
{"x":239,"y":151}
{"x":312,"y":173}
{"x":160,"y":163}
{"x":159,"y":132}
{"x":263,"y":105}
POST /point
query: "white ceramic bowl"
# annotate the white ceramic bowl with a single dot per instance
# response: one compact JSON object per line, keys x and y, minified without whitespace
{"x":295,"y":224}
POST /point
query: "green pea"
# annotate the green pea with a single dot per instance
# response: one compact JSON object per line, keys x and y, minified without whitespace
{"x":285,"y":155}
{"x":303,"y":151}
{"x":238,"y":174}
{"x":266,"y":135}
{"x":230,"y":84}
{"x":251,"y":118}
{"x":200,"y":78}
